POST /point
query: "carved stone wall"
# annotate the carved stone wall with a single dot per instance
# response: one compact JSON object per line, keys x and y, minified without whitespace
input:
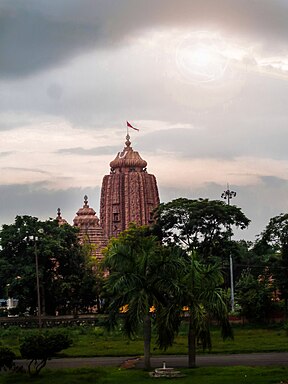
{"x":129,"y":194}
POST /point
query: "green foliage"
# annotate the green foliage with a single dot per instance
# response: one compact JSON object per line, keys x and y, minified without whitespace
{"x":245,"y":256}
{"x":199,"y":225}
{"x":276,"y":233}
{"x":273,"y":242}
{"x":38,"y":348}
{"x":199,"y":289}
{"x":64,"y":275}
{"x":7,"y":358}
{"x":285,"y":327}
{"x":145,"y":274}
{"x":254,"y":295}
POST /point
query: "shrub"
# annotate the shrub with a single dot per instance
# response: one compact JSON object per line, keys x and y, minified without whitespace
{"x":39,"y":348}
{"x":6,"y":358}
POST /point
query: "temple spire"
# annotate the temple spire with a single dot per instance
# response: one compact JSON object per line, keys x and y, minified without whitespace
{"x":129,"y":194}
{"x":127,"y":142}
{"x":59,"y":218}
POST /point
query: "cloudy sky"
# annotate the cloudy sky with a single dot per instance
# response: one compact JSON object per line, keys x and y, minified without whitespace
{"x":205,"y":81}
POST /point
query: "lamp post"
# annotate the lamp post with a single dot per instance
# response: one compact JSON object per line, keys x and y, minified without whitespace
{"x":35,"y":239}
{"x":37,"y":283}
{"x":228,"y":195}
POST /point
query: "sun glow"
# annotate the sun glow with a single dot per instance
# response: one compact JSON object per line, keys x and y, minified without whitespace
{"x":200,"y":57}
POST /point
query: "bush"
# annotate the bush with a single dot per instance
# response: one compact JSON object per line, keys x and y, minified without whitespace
{"x":6,"y":358}
{"x":39,"y":348}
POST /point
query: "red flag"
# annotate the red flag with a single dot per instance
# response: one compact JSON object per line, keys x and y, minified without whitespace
{"x":130,"y":126}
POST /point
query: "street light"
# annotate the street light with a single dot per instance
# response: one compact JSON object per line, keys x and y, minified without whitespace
{"x":37,"y":283}
{"x":228,"y":195}
{"x":35,"y":239}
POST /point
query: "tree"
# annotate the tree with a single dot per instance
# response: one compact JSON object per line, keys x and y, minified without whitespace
{"x":61,"y":264}
{"x":245,"y":257}
{"x":141,"y":274}
{"x":199,"y":290}
{"x":273,"y":241}
{"x":92,"y":286}
{"x":203,"y":225}
{"x":254,"y":295}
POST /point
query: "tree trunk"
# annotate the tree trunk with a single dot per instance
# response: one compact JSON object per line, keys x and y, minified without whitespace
{"x":147,"y":341}
{"x":191,"y":345}
{"x":43,"y":309}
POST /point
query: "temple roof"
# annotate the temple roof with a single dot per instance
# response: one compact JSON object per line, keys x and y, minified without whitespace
{"x":128,"y":159}
{"x":86,"y":216}
{"x":90,"y":231}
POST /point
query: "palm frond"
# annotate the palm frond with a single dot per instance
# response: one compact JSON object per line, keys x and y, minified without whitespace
{"x":167,"y":325}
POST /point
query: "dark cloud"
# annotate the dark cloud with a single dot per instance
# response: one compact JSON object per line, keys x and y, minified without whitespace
{"x":274,"y":182}
{"x":34,"y":170}
{"x":98,"y":151}
{"x":255,"y":201}
{"x":4,"y":154}
{"x":36,"y":200}
{"x":35,"y":34}
{"x":31,"y":40}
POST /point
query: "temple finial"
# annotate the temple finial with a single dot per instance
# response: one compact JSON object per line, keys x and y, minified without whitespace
{"x":86,"y":201}
{"x":128,"y":142}
{"x":59,"y":213}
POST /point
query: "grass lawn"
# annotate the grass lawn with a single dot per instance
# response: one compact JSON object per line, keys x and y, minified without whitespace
{"x":95,"y":341}
{"x":215,"y":375}
{"x":245,"y":341}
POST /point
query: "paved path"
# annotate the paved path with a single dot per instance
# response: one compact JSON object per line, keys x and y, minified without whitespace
{"x":252,"y":359}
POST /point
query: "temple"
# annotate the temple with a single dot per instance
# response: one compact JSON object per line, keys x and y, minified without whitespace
{"x":90,"y":231}
{"x":129,"y":195}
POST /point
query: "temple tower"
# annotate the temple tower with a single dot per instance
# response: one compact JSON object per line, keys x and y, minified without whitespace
{"x":59,"y":218}
{"x":129,"y":194}
{"x":90,"y":231}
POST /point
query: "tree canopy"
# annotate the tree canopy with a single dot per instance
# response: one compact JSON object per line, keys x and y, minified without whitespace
{"x":62,"y":264}
{"x":273,"y":241}
{"x":200,"y":225}
{"x":200,"y":293}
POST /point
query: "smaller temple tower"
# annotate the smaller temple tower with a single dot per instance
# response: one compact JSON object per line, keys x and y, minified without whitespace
{"x":90,"y":230}
{"x":59,"y":218}
{"x":129,"y":194}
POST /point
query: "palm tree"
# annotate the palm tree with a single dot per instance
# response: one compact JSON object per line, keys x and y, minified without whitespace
{"x":141,"y":274}
{"x":199,"y":287}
